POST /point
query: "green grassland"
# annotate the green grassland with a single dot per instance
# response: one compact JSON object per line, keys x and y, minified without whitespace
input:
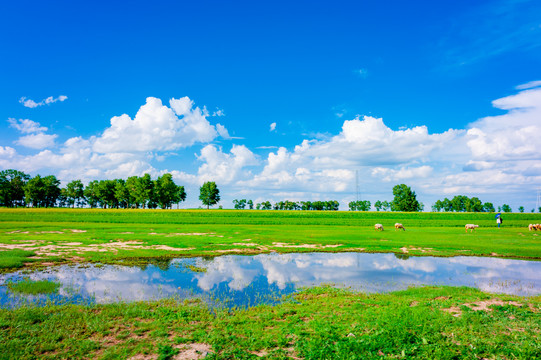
{"x":45,"y":236}
{"x":318,"y":323}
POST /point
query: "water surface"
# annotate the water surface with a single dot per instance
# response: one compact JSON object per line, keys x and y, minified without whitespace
{"x":236,"y":280}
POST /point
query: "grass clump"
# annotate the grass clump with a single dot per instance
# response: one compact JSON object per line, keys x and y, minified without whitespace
{"x":10,"y":259}
{"x":32,"y":287}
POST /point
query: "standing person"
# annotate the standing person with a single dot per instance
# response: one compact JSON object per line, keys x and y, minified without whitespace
{"x":499,"y":220}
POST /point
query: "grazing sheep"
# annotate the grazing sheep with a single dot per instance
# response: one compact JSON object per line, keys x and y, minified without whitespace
{"x":537,"y":227}
{"x":378,"y":227}
{"x":471,"y":227}
{"x":399,"y":226}
{"x":532,"y":227}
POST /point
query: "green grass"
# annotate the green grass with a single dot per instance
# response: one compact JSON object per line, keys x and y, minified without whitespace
{"x":322,"y":323}
{"x":32,"y":287}
{"x":11,"y":259}
{"x":124,"y":236}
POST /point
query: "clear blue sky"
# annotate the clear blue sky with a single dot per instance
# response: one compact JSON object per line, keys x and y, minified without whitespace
{"x":305,"y":66}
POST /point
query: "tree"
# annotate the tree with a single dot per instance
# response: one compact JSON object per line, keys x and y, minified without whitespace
{"x":12,"y":183}
{"x":75,"y":192}
{"x":239,"y":204}
{"x":91,"y":193}
{"x":488,"y":207}
{"x":521,"y":209}
{"x":506,"y":208}
{"x":404,"y":199}
{"x":250,"y":204}
{"x":167,"y":192}
{"x":209,"y":194}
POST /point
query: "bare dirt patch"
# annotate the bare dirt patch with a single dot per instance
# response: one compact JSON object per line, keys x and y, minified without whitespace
{"x":482,"y":305}
{"x":182,"y":234}
{"x":76,"y":230}
{"x":55,"y":250}
{"x":17,"y":232}
{"x":304,"y":246}
{"x":193,"y":351}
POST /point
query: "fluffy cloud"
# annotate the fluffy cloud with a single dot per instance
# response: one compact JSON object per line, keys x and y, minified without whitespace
{"x":29,"y":103}
{"x":26,"y":126}
{"x":37,"y":141}
{"x":157,"y":127}
{"x":273,"y":126}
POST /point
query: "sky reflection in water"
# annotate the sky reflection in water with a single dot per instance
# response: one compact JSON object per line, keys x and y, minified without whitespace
{"x":250,"y":280}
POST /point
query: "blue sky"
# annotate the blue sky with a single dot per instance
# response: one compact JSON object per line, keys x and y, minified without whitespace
{"x":400,"y":92}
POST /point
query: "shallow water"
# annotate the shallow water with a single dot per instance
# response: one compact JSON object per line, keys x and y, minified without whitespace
{"x":235,"y":280}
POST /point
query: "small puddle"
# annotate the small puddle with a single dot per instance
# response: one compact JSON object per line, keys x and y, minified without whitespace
{"x":243,"y":281}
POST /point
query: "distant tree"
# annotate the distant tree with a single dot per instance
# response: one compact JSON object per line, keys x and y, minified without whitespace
{"x":521,"y":209}
{"x":91,"y":193}
{"x":361,"y":205}
{"x":266,"y":205}
{"x":499,"y":208}
{"x":306,"y":205}
{"x":75,"y":192}
{"x":386,"y":206}
{"x":167,"y":192}
{"x":378,"y":205}
{"x":12,"y":184}
{"x":144,"y":191}
{"x":209,"y":194}
{"x":122,"y":194}
{"x":250,"y":204}
{"x":106,"y":192}
{"x":438,"y":206}
{"x":52,"y":190}
{"x":239,"y":204}
{"x":506,"y":208}
{"x":258,"y":206}
{"x":474,"y":205}
{"x":488,"y":207}
{"x":404,"y":199}
{"x":34,"y":191}
{"x":539,"y":209}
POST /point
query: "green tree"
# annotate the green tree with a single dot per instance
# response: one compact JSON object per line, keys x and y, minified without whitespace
{"x":378,"y":205}
{"x":122,"y":194}
{"x":106,"y":194}
{"x":75,"y":192}
{"x":250,"y":204}
{"x":404,"y":199}
{"x":91,"y":193}
{"x":488,"y":207}
{"x":167,"y":192}
{"x":506,"y":208}
{"x":12,"y":184}
{"x":239,"y":204}
{"x":209,"y":194}
{"x":34,"y":191}
{"x":521,"y":209}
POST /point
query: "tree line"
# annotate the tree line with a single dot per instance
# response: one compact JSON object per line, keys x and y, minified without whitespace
{"x":19,"y":189}
{"x":329,"y":205}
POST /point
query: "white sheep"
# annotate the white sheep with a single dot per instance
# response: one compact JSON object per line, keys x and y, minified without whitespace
{"x":532,"y":227}
{"x":471,"y":227}
{"x":378,"y":227}
{"x":399,"y":226}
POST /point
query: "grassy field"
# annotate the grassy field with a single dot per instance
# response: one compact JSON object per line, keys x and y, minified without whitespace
{"x":45,"y":236}
{"x":319,"y":323}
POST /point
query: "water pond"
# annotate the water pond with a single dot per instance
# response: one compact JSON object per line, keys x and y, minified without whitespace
{"x":251,"y":280}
